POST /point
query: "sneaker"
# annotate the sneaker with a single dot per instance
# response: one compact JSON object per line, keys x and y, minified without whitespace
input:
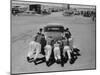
{"x":30,"y":60}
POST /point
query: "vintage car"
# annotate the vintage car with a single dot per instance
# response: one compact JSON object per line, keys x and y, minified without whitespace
{"x":68,"y":13}
{"x":54,"y":31}
{"x":18,"y":9}
{"x":76,"y":13}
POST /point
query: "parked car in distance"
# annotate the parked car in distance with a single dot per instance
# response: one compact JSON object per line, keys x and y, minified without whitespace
{"x":68,"y":13}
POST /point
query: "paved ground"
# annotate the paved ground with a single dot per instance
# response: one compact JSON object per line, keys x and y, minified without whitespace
{"x":23,"y":27}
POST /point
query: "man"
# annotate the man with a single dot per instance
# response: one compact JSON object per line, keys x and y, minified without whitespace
{"x":67,"y":33}
{"x":41,"y":31}
{"x":66,"y":50}
{"x":41,"y":39}
{"x":69,"y":38}
{"x":34,"y":50}
{"x":56,"y":51}
{"x":48,"y":51}
{"x":68,"y":47}
{"x":35,"y":47}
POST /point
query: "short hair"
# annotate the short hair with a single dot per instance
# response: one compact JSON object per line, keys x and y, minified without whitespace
{"x":41,"y":29}
{"x":66,"y":29}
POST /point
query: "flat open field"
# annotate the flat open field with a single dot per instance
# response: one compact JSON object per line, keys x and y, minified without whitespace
{"x":23,"y":27}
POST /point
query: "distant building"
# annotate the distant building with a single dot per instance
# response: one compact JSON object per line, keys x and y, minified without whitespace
{"x":37,"y":6}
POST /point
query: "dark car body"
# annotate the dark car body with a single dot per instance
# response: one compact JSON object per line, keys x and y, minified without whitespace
{"x":54,"y":31}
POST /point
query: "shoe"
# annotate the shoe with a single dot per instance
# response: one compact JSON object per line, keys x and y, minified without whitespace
{"x":47,"y":63}
{"x":72,"y":61}
{"x":58,"y":61}
{"x":29,"y":60}
{"x":35,"y":62}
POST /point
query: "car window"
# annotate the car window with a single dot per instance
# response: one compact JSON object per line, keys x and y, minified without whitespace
{"x":53,"y":29}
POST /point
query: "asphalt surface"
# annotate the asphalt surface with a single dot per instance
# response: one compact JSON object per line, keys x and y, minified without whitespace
{"x":24,"y":27}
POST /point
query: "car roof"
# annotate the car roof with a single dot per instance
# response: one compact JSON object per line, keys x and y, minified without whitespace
{"x":54,"y":25}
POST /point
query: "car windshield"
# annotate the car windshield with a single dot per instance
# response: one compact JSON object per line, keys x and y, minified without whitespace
{"x":54,"y":29}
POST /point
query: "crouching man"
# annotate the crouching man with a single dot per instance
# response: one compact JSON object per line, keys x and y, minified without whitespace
{"x":56,"y":51}
{"x":69,"y":38}
{"x":66,"y":50}
{"x":34,"y":50}
{"x":48,"y":50}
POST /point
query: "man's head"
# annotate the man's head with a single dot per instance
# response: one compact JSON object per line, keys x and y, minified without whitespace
{"x":41,"y":29}
{"x":67,"y":29}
